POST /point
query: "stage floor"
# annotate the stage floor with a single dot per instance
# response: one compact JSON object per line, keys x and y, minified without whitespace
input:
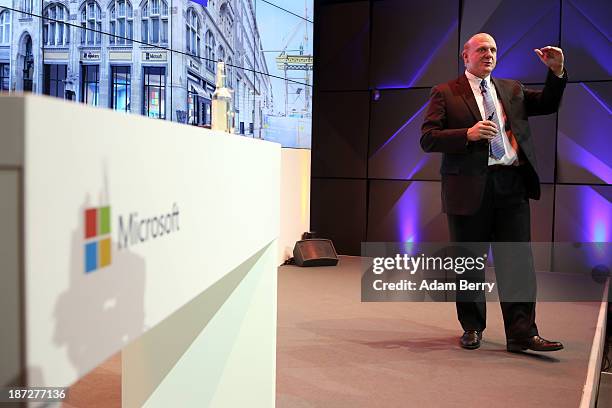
{"x":334,"y":351}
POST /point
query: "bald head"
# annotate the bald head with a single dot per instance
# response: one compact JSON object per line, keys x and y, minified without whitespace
{"x":480,"y":54}
{"x":476,"y":38}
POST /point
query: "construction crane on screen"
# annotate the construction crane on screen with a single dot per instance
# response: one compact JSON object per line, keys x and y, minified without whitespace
{"x":297,"y":69}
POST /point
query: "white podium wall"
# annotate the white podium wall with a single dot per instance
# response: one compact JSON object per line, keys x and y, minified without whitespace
{"x":295,"y":199}
{"x":188,"y":211}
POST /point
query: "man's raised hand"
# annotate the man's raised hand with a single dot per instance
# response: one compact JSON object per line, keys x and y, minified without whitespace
{"x":552,"y":57}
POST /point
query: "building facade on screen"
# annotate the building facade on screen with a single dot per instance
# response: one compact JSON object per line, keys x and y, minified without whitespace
{"x":116,"y":54}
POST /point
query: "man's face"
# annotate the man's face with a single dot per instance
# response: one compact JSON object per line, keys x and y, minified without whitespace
{"x":480,"y":56}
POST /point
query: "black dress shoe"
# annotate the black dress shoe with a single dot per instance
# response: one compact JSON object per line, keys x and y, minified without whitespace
{"x":471,"y":339}
{"x":535,"y":343}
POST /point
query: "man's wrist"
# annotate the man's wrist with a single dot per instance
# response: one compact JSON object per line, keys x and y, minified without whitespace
{"x":559,"y":71}
{"x":468,"y":142}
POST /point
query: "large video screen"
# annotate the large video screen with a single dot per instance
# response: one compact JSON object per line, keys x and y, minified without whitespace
{"x":159,"y":58}
{"x":286,"y":42}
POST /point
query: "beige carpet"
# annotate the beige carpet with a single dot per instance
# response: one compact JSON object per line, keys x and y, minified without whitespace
{"x":334,"y":351}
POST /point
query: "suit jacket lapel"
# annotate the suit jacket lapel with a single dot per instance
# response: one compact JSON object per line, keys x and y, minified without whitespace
{"x":468,"y":96}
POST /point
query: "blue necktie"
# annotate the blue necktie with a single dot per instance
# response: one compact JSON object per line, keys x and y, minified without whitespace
{"x":496,"y":147}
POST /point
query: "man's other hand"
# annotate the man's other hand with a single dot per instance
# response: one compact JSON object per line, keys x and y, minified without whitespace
{"x":552,"y":57}
{"x":485,"y":129}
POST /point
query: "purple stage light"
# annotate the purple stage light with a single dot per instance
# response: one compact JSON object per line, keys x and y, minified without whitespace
{"x":408,"y":209}
{"x":596,"y":215}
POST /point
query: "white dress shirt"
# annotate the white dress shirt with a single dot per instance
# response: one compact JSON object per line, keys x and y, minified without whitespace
{"x":509,"y":156}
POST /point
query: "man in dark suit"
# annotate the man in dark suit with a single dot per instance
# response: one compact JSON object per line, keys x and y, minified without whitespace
{"x":489,"y":172}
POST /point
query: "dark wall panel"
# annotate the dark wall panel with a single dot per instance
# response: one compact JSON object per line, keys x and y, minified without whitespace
{"x":543,"y":133}
{"x":585,"y":39}
{"x":518,"y":27}
{"x":584,"y":154}
{"x":342,"y":59}
{"x":583,"y":214}
{"x":541,"y":227}
{"x":402,"y":211}
{"x":341,"y":123}
{"x":542,"y":215}
{"x":338,"y":212}
{"x":414,"y":43}
{"x":395,"y":130}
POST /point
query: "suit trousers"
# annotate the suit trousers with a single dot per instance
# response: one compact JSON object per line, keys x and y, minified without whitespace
{"x":502,"y":221}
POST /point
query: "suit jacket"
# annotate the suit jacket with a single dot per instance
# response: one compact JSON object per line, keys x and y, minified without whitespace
{"x":453,"y":110}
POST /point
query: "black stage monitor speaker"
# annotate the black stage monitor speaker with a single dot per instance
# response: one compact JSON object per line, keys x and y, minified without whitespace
{"x":315,"y":252}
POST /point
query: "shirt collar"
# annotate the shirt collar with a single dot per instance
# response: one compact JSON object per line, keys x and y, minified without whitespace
{"x":475,"y":81}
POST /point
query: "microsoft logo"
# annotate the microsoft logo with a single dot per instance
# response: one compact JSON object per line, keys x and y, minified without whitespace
{"x":97,"y":238}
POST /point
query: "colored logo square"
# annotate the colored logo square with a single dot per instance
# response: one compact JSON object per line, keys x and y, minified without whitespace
{"x":105,"y":252}
{"x":91,"y":256}
{"x":91,"y":223}
{"x":104,"y":215}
